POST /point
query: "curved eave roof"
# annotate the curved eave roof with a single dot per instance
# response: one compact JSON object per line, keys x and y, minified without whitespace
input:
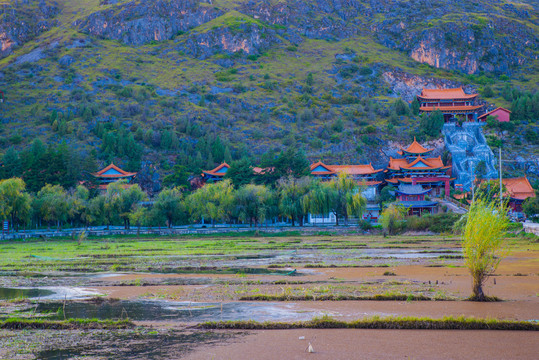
{"x":121,"y":173}
{"x":413,"y":193}
{"x":116,"y":176}
{"x":445,"y":94}
{"x":415,"y":148}
{"x":215,"y":172}
{"x":414,"y":204}
{"x":408,"y":180}
{"x":450,"y":108}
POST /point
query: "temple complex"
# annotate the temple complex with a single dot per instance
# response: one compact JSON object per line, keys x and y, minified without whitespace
{"x":416,"y":168}
{"x":452,"y":103}
{"x":113,"y":173}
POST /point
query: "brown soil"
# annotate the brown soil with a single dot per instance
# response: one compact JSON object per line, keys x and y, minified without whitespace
{"x":520,"y":293}
{"x":375,"y":344}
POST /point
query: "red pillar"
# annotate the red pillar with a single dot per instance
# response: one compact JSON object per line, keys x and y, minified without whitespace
{"x":447,"y":187}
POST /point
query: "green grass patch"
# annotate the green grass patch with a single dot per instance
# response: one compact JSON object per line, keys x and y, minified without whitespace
{"x":71,"y":324}
{"x":445,"y":323}
{"x":337,"y":297}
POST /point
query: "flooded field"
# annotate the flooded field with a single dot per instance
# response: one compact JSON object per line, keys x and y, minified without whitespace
{"x":167,"y":286}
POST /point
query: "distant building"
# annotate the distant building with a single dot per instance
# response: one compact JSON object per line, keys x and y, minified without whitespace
{"x":412,"y":198}
{"x":366,"y":176}
{"x":113,"y":173}
{"x":414,"y":169}
{"x":216,"y":174}
{"x":503,"y":115}
{"x":452,"y":103}
{"x":517,"y":190}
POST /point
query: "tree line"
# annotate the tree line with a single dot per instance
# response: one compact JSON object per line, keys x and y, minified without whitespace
{"x":221,"y":202}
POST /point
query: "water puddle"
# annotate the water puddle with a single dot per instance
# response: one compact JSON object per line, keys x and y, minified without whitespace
{"x":46,"y":293}
{"x":19,"y":293}
{"x":160,"y":310}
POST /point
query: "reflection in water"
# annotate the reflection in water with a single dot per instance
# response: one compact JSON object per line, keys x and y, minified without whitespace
{"x":157,"y":310}
{"x":10,"y":293}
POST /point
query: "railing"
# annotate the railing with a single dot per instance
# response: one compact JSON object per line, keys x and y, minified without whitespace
{"x":307,"y":228}
{"x":456,"y":203}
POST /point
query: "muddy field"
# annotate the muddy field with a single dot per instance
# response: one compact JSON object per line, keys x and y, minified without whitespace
{"x":169,"y":286}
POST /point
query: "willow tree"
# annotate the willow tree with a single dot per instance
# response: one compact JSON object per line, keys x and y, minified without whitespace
{"x":171,"y":205}
{"x":52,"y":202}
{"x":252,"y":203}
{"x":15,"y":202}
{"x":212,"y":201}
{"x":292,"y":196}
{"x":341,"y":196}
{"x":483,"y":242}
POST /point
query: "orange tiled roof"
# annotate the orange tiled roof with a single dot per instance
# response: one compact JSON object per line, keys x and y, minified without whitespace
{"x":519,"y":188}
{"x":215,"y":172}
{"x":415,"y":148}
{"x":100,"y":173}
{"x":435,"y":94}
{"x":432,"y":163}
{"x":348,"y":169}
{"x":450,"y":108}
{"x":396,"y":164}
{"x":490,"y":112}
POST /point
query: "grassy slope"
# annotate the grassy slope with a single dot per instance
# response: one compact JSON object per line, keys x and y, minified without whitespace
{"x":146,"y":65}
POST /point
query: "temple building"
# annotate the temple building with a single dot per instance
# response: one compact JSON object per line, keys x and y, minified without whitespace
{"x":501,"y":114}
{"x":453,"y":103}
{"x":517,"y":191}
{"x":113,"y":173}
{"x":364,"y":174}
{"x":367,"y":177}
{"x":412,"y":198}
{"x":216,"y":174}
{"x":415,"y":168}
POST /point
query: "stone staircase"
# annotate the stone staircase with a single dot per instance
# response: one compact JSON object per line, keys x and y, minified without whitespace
{"x":468,"y":147}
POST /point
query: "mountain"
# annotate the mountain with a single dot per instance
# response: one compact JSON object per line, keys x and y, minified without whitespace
{"x":147,"y":82}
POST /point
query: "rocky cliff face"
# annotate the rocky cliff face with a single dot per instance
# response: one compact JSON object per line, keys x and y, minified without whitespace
{"x":21,"y":21}
{"x":249,"y":38}
{"x":472,"y":47}
{"x":140,"y":22}
{"x":456,"y":35}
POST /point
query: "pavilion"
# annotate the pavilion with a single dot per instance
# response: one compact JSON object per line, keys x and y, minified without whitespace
{"x":452,"y":103}
{"x":113,"y":173}
{"x":412,"y":198}
{"x":415,"y":168}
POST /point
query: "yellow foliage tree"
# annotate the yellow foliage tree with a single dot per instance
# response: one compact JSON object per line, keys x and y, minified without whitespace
{"x":391,"y":218}
{"x":483,"y":242}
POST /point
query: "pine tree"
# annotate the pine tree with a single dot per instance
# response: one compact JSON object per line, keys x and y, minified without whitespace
{"x":227,"y":156}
